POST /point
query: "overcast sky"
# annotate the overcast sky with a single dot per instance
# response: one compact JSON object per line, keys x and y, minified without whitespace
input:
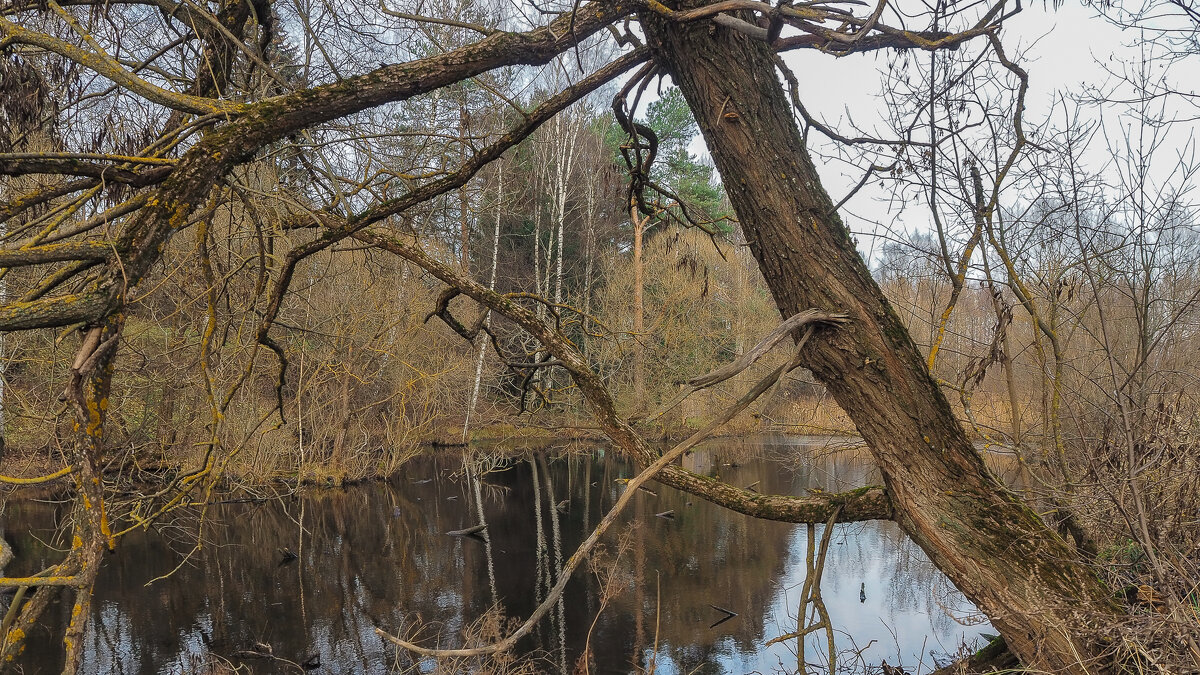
{"x":1063,"y":50}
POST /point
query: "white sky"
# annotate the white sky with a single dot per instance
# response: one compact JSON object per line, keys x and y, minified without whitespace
{"x":1062,"y":49}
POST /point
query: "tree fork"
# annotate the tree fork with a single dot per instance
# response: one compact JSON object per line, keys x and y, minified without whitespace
{"x":991,"y":545}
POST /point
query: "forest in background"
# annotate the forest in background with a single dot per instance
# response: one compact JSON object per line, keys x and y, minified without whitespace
{"x":372,"y":378}
{"x":1104,"y":283}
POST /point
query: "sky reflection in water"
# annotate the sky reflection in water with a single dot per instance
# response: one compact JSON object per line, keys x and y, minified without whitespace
{"x":377,"y":555}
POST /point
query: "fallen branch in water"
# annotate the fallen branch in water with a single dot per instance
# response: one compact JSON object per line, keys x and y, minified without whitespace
{"x":729,"y":614}
{"x":867,"y":503}
{"x":829,"y":501}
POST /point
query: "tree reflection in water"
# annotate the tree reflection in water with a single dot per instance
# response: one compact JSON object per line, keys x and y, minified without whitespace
{"x":378,"y":555}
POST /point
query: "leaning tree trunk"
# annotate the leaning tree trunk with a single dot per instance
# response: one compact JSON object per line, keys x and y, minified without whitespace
{"x":994,"y":548}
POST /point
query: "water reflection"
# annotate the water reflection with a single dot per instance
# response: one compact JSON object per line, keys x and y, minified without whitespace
{"x":378,"y":555}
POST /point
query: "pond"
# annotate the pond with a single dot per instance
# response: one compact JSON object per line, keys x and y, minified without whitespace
{"x":315,"y":574}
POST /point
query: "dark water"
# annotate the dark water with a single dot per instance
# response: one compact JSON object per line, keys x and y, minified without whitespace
{"x":377,"y":555}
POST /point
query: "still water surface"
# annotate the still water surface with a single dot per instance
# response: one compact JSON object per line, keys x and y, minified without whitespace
{"x":377,"y":555}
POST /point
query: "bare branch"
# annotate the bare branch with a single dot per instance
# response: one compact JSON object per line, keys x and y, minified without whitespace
{"x":437,"y":20}
{"x":828,"y":506}
{"x":788,"y":327}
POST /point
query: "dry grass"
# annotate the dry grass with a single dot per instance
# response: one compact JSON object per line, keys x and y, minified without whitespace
{"x":818,"y":416}
{"x":492,"y":627}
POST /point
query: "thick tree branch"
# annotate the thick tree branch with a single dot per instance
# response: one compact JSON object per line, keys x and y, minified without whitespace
{"x":11,"y":165}
{"x":167,"y":211}
{"x":866,"y":504}
{"x":105,"y":65}
{"x":39,"y":255}
{"x":828,"y":507}
{"x":339,"y":228}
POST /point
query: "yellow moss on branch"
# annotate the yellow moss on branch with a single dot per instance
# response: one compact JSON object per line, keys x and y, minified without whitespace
{"x":14,"y":480}
{"x":53,"y":580}
{"x":106,"y":66}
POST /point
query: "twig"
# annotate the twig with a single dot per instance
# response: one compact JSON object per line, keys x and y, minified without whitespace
{"x":750,"y":357}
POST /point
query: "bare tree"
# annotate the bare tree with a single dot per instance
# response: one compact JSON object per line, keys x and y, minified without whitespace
{"x":91,"y":241}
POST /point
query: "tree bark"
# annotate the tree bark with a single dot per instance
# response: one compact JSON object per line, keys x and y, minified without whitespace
{"x":983,"y":537}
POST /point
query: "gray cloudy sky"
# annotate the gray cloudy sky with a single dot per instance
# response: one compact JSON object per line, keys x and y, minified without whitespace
{"x":1063,"y":50}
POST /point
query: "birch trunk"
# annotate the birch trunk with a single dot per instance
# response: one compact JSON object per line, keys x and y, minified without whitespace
{"x":487,"y":319}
